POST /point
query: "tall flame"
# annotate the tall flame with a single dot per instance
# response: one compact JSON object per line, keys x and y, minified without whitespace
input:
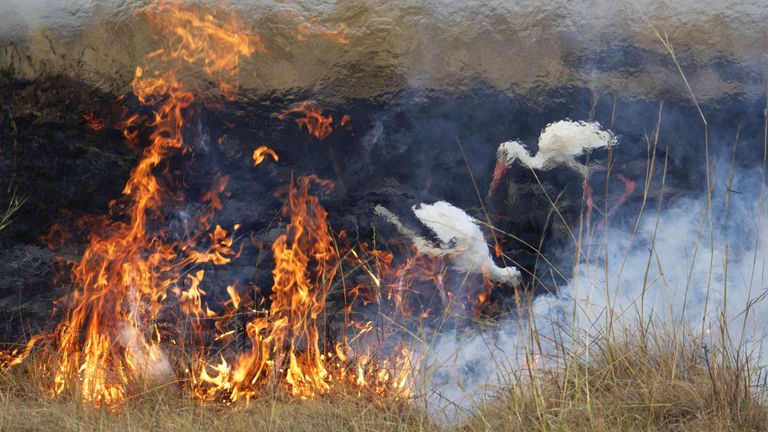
{"x":107,"y":339}
{"x":286,"y":342}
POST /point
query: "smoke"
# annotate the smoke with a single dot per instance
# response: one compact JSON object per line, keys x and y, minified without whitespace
{"x":147,"y":359}
{"x":671,"y":269}
{"x":661,"y":266}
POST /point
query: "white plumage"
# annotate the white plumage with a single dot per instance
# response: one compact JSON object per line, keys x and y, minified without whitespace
{"x":461,"y":240}
{"x":559,"y":144}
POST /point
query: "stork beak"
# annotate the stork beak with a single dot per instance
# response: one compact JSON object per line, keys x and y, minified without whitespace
{"x":498,"y":175}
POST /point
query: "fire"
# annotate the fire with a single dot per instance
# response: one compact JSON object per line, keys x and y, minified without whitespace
{"x":338,"y":36}
{"x":106,"y":340}
{"x":261,"y":153}
{"x":130,"y":128}
{"x":94,"y":123}
{"x":299,"y":295}
{"x":16,"y":356}
{"x":309,"y":115}
{"x":141,"y":284}
{"x":285,"y":343}
{"x":345,"y":122}
{"x":216,"y":43}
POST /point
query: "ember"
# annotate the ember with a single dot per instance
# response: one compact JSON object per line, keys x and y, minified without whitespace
{"x":261,"y":153}
{"x":309,"y":115}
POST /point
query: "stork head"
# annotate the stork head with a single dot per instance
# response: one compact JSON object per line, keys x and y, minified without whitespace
{"x":506,"y":275}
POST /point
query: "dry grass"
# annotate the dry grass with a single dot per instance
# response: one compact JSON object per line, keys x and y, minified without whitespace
{"x":163,"y":412}
{"x":14,"y":203}
{"x":24,"y":407}
{"x":633,"y":384}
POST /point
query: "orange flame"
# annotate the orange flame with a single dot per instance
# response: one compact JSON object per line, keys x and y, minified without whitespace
{"x":16,"y":356}
{"x":95,"y":124}
{"x":286,"y":343}
{"x":112,"y":337}
{"x":345,"y":119}
{"x":217,"y":44}
{"x":261,"y":153}
{"x":311,"y":117}
{"x":338,"y":36}
{"x":106,"y":340}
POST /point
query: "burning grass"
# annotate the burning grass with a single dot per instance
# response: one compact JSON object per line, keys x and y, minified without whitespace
{"x":654,"y":380}
{"x":24,"y":407}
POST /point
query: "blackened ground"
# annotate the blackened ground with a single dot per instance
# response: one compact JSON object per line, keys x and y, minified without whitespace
{"x":55,"y":163}
{"x":402,"y":149}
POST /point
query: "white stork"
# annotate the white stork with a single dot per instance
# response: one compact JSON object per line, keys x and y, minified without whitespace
{"x":559,"y":144}
{"x":460,"y":238}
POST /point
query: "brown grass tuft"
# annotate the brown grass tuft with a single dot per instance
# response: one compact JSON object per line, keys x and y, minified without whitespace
{"x":632,"y":384}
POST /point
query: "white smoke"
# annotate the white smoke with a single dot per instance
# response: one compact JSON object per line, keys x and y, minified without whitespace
{"x":148,"y":360}
{"x":668,"y":270}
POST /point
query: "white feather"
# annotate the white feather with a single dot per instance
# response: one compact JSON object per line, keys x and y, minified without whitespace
{"x":559,"y":144}
{"x":461,"y":240}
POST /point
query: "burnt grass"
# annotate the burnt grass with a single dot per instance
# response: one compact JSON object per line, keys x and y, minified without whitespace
{"x":401,"y":149}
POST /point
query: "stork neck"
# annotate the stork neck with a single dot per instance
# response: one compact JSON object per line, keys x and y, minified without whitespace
{"x":517,"y":151}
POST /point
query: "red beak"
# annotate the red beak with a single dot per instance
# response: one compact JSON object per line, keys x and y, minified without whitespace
{"x":498,"y":175}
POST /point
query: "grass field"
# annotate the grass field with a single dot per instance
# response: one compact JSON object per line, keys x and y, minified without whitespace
{"x":633,"y":383}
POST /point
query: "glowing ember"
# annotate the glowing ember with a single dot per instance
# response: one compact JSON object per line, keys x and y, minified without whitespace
{"x":261,"y":153}
{"x":345,"y":119}
{"x":309,"y":115}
